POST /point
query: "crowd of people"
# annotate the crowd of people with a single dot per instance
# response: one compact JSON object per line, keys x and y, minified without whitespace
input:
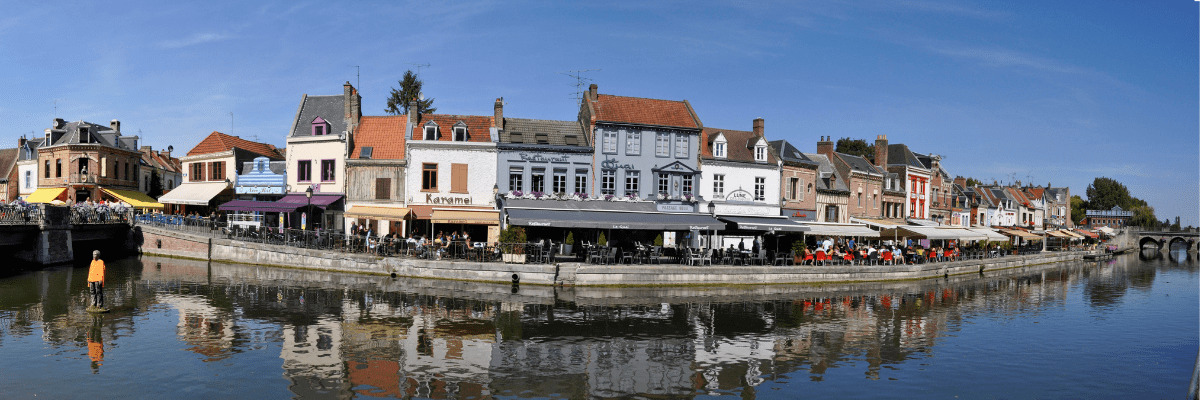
{"x":899,"y":254}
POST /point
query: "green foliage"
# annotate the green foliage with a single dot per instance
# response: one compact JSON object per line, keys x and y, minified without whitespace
{"x":972,"y":182}
{"x":1078,"y":207}
{"x":514,"y":234}
{"x":855,"y":147}
{"x":1105,"y":193}
{"x":410,"y":89}
{"x":798,"y":247}
{"x":570,"y":238}
{"x":658,"y":240}
{"x":602,"y":240}
{"x":156,"y":187}
{"x":1143,"y":216}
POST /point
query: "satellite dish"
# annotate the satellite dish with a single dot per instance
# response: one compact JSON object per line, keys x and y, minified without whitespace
{"x":421,"y":96}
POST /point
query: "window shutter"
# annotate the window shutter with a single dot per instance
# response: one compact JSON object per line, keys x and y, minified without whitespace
{"x":458,"y":178}
{"x":383,"y":188}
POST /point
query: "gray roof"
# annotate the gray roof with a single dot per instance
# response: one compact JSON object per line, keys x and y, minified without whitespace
{"x":332,"y":109}
{"x":789,"y":153}
{"x":898,"y":154}
{"x":544,"y":132}
{"x":825,"y":168}
{"x":93,"y":133}
{"x":860,"y":164}
{"x":29,"y":152}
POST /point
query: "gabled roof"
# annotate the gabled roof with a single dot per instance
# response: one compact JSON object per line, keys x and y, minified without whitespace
{"x":857,"y":163}
{"x":157,"y":160}
{"x":95,"y":134}
{"x":553,"y":133}
{"x":384,"y":135}
{"x":899,"y":154}
{"x":641,"y":111}
{"x":8,"y":159}
{"x":739,"y":146}
{"x":217,"y":142}
{"x":32,"y":146}
{"x":788,"y":153}
{"x":330,"y":108}
{"x":478,"y":127}
{"x":825,"y":168}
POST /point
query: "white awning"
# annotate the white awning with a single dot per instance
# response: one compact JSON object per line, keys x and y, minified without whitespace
{"x":195,"y":194}
{"x":935,"y":233}
{"x":874,"y":223}
{"x":922,"y":222}
{"x":833,"y":229}
{"x":991,"y":234}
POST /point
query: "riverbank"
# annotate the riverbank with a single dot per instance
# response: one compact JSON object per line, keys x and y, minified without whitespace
{"x":170,"y":243}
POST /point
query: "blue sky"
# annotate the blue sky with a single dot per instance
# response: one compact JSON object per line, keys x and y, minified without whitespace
{"x":1058,"y":92}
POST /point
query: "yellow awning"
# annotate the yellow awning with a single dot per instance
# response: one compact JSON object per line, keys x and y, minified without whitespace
{"x":135,"y":199}
{"x":388,"y":213}
{"x":485,"y":217}
{"x":45,"y":195}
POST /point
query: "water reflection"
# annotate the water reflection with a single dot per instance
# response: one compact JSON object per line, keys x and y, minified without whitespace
{"x":342,"y":335}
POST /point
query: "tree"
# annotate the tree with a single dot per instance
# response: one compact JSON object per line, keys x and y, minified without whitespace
{"x":1143,"y":216}
{"x":410,"y":89}
{"x":1078,"y":208}
{"x":156,"y":186}
{"x":972,"y":182}
{"x":1105,"y":193}
{"x":856,"y":147}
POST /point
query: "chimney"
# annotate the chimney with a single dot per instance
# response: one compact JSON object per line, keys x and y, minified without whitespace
{"x":413,"y":117}
{"x":825,"y":147}
{"x":58,"y":123}
{"x":21,"y":141}
{"x":115,"y":125}
{"x":881,"y":152}
{"x":352,"y":105}
{"x":145,"y":149}
{"x":498,"y":120}
{"x":960,"y":181}
{"x":758,"y":126}
{"x":592,"y":91}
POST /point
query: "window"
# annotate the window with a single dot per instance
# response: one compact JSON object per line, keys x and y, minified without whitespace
{"x":320,"y":127}
{"x":610,"y":142}
{"x":429,"y":177}
{"x":537,"y":180}
{"x":719,"y":149}
{"x":608,"y":182}
{"x":328,"y":171}
{"x":303,"y":171}
{"x":719,"y":185}
{"x":581,"y":178}
{"x":28,"y":179}
{"x":560,"y":180}
{"x":516,"y":176}
{"x":460,"y":134}
{"x":218,"y":171}
{"x":860,"y":199}
{"x":831,"y":214}
{"x":631,"y":182}
{"x":633,"y":143}
{"x":47,"y":168}
{"x":681,"y":146}
{"x":760,"y":153}
{"x":793,"y":183}
{"x":662,"y":144}
{"x":664,"y":183}
{"x":458,"y":178}
{"x":760,"y":189}
{"x":383,"y":188}
{"x":541,"y":138}
{"x":875,"y":200}
{"x":431,"y":132}
{"x":83,"y":166}
{"x":687,"y":184}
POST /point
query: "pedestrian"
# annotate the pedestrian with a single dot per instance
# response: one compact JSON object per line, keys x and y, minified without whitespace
{"x":96,"y":280}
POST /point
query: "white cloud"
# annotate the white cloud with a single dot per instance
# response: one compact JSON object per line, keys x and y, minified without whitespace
{"x":199,"y":38}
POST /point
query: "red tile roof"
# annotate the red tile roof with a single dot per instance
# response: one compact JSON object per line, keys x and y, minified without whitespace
{"x":217,"y":142}
{"x":157,"y":160}
{"x":739,"y":145}
{"x":636,"y":110}
{"x":385,"y":136}
{"x":478,"y":127}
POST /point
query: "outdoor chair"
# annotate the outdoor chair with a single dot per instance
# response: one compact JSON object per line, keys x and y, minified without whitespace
{"x":760,"y":257}
{"x":808,"y":259}
{"x":849,"y":258}
{"x":611,"y":256}
{"x":627,"y":257}
{"x":782,"y":258}
{"x":596,"y":255}
{"x":695,"y":257}
{"x":822,"y":258}
{"x":654,"y":255}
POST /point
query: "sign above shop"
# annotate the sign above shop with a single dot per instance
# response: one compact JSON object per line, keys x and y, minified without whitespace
{"x":739,"y":196}
{"x":686,"y":208}
{"x":800,"y":215}
{"x":258,"y":189}
{"x":612,"y":164}
{"x":431,"y":199}
{"x":535,"y":157}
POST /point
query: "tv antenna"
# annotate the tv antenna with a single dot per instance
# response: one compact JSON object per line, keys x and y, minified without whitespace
{"x":358,"y":77}
{"x":419,"y":66}
{"x":580,"y":81}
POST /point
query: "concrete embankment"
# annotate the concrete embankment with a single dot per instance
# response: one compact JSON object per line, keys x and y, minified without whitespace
{"x":159,"y":241}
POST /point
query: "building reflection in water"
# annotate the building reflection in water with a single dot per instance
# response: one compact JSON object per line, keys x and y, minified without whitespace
{"x":354,"y":335}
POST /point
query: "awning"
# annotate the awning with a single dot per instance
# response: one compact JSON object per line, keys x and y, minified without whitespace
{"x":922,"y":222}
{"x":135,"y":199}
{"x":319,"y":200}
{"x":876,"y":223}
{"x":484,"y":217}
{"x":1092,"y":235}
{"x":1059,"y":234}
{"x":765,"y":224}
{"x":374,"y":212}
{"x":990,"y":234}
{"x":1107,"y":231}
{"x":613,"y":220}
{"x":45,"y":195}
{"x":259,"y":206}
{"x":924,"y":232}
{"x":196,"y":194}
{"x":1020,"y":234}
{"x":835,"y":229}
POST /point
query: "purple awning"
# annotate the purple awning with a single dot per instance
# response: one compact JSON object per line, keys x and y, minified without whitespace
{"x":321,"y":200}
{"x":259,"y":206}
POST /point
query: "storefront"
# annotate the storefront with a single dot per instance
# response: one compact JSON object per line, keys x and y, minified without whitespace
{"x":622,"y":222}
{"x":199,"y":198}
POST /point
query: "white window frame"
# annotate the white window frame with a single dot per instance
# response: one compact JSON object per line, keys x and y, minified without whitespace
{"x":518,"y":174}
{"x":608,"y":182}
{"x":559,"y":184}
{"x":460,"y":134}
{"x":610,"y":142}
{"x":760,"y":188}
{"x":633,"y":180}
{"x":719,"y":185}
{"x":664,"y":183}
{"x":429,"y":132}
{"x":581,"y":176}
{"x":681,"y":146}
{"x":633,"y":143}
{"x":662,"y":144}
{"x":688,"y":187}
{"x":760,"y":153}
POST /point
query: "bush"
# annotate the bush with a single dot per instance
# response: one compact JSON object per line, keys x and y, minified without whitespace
{"x":798,"y":247}
{"x":658,"y":240}
{"x":514,"y":234}
{"x":570,"y":239}
{"x":602,"y":240}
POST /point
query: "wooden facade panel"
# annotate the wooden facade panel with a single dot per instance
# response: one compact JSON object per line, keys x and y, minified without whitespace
{"x":363,"y":183}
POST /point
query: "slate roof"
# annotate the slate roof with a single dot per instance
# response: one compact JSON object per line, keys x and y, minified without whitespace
{"x":478,"y":127}
{"x":553,"y":133}
{"x":641,"y":111}
{"x":825,"y":168}
{"x":217,"y":142}
{"x":98,"y":134}
{"x":789,"y":154}
{"x":332,"y":109}
{"x":32,"y":146}
{"x":8,"y":160}
{"x":860,"y":164}
{"x":384,"y":135}
{"x":739,"y":146}
{"x":899,"y":154}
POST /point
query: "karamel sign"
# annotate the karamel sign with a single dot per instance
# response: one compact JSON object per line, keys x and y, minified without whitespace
{"x":457,"y":200}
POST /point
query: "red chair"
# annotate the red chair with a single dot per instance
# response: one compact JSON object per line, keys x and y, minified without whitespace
{"x":849,"y":257}
{"x":808,"y":258}
{"x":887,"y":257}
{"x":949,"y":255}
{"x":821,"y":257}
{"x":932,"y":256}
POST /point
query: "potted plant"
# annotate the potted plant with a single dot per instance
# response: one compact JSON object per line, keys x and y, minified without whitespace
{"x":568,"y":244}
{"x":602,"y":241}
{"x":798,"y":252}
{"x":513,"y":240}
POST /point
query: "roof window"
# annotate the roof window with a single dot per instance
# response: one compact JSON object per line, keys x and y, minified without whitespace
{"x":365,"y":152}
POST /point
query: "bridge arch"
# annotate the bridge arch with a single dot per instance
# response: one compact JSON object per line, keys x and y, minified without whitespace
{"x":1187,"y":244}
{"x":1151,"y":241}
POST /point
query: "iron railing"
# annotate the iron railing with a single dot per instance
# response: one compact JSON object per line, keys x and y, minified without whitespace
{"x":20,"y":215}
{"x":196,"y":225}
{"x":86,"y":215}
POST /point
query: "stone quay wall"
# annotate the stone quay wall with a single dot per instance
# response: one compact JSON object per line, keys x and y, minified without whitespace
{"x":200,"y":247}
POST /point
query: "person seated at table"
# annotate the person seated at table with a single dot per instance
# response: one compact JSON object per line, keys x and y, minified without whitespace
{"x":755,"y":249}
{"x":898,"y":254}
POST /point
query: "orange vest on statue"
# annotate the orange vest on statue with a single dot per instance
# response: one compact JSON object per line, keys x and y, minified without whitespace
{"x":96,"y":272}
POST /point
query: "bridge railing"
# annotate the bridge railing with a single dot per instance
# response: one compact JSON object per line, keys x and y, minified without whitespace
{"x":20,"y":214}
{"x":100,"y":215}
{"x":196,"y":225}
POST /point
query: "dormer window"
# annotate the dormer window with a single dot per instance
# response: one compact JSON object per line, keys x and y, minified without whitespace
{"x":719,"y":150}
{"x":431,"y":131}
{"x":760,"y":152}
{"x":320,"y":127}
{"x":460,"y":132}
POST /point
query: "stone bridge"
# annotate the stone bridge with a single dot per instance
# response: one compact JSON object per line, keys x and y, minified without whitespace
{"x":45,"y":234}
{"x":1160,"y":240}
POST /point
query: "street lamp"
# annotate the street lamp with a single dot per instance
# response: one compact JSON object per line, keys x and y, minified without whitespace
{"x":712,"y":208}
{"x":308,"y":195}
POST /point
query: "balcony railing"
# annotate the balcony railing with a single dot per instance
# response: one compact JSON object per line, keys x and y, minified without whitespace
{"x":82,"y":178}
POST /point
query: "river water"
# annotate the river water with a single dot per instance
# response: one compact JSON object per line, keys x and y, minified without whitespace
{"x":1126,"y":328}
